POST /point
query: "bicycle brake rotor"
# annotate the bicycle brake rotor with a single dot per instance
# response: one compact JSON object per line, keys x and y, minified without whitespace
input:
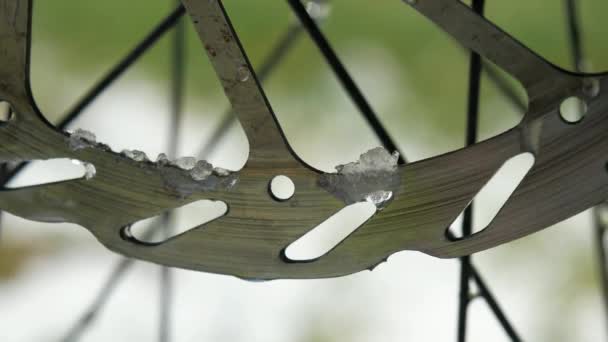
{"x":569,"y":174}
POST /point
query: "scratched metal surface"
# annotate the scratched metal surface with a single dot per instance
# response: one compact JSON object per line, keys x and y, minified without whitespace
{"x":569,"y":174}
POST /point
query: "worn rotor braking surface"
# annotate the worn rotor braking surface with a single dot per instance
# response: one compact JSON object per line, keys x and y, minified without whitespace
{"x":419,"y":200}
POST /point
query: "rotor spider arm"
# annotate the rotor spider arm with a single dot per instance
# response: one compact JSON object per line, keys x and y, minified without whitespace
{"x":14,"y":46}
{"x":540,"y":78}
{"x":238,"y":80}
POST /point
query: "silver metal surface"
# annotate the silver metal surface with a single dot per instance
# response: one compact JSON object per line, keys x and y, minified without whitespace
{"x":568,"y":177}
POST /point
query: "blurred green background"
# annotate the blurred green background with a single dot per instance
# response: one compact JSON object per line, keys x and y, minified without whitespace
{"x":414,"y":75}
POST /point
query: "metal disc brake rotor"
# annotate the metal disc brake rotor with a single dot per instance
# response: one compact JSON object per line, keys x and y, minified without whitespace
{"x":418,"y":200}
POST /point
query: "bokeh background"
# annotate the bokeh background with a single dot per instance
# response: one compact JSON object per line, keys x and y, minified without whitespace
{"x":414,"y":75}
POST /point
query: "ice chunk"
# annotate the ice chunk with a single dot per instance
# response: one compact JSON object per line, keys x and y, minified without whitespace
{"x":89,"y":170}
{"x":187,"y":175}
{"x":380,"y":198}
{"x":81,"y":138}
{"x":318,"y":10}
{"x":221,"y":172}
{"x":135,"y":155}
{"x":162,"y":159}
{"x":84,"y":135}
{"x":374,"y":178}
{"x":186,"y":163}
{"x":377,"y":159}
{"x":200,"y":178}
{"x":201,"y":170}
{"x":232,"y":182}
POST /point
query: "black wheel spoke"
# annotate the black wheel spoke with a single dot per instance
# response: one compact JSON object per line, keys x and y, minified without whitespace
{"x":475,"y":67}
{"x":600,"y":230}
{"x":599,"y":212}
{"x":468,"y":273}
{"x":344,"y":77}
{"x":574,"y":34}
{"x":271,"y":62}
{"x":178,"y":72}
{"x":140,"y":49}
{"x":84,"y":321}
{"x":111,"y":76}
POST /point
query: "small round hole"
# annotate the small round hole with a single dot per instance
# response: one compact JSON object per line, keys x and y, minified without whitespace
{"x":573,"y":109}
{"x":282,"y":188}
{"x":6,"y":111}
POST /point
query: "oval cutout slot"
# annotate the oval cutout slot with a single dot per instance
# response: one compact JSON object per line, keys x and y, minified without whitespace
{"x":323,"y":238}
{"x":39,"y":172}
{"x":495,"y":193}
{"x":156,"y":230}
